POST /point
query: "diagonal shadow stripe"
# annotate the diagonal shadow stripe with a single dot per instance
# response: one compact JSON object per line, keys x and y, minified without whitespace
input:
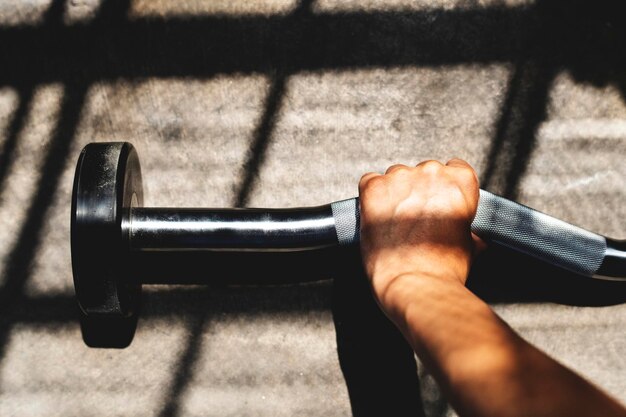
{"x":523,"y":111}
{"x":260,"y":142}
{"x":19,"y":264}
{"x":25,"y":96}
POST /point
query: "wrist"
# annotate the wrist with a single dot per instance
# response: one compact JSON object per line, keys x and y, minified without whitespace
{"x":399,"y":293}
{"x":397,"y":275}
{"x":384,"y":265}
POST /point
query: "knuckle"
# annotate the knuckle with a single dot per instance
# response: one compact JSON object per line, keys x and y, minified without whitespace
{"x":457,"y":161}
{"x":396,"y":167}
{"x":368,"y":181}
{"x":376,"y":182}
{"x":469,"y":176}
{"x":363,"y":179}
{"x":375,"y":186}
{"x":431,"y":166}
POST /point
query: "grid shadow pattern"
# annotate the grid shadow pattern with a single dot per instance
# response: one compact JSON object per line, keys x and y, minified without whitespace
{"x":538,"y":41}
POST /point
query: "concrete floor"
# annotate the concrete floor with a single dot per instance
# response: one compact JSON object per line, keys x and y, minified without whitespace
{"x":284,"y":103}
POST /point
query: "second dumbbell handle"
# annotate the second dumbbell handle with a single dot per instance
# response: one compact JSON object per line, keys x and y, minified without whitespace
{"x":498,"y":220}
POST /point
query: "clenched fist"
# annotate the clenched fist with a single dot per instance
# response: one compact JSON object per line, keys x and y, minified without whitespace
{"x":416,"y":221}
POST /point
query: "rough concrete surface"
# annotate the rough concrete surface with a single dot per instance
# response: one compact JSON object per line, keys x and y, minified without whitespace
{"x":285,"y":103}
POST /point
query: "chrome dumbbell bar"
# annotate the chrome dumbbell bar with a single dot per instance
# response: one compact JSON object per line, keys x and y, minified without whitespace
{"x":109,"y":224}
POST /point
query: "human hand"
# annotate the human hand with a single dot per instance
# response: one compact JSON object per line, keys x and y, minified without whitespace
{"x":417,"y":249}
{"x":416,"y":222}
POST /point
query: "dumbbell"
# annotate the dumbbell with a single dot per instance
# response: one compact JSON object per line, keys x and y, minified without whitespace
{"x":109,"y":225}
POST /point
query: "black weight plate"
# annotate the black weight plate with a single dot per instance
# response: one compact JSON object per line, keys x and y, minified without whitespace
{"x":106,"y":184}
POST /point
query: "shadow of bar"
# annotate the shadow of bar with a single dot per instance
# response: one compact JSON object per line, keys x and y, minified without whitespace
{"x":300,"y":281}
{"x":184,"y":301}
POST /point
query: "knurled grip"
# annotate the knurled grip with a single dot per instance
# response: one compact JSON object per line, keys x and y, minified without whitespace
{"x":513,"y":225}
{"x":526,"y":230}
{"x":347,"y":221}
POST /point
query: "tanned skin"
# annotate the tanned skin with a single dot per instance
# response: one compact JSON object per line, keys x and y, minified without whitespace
{"x":417,"y":250}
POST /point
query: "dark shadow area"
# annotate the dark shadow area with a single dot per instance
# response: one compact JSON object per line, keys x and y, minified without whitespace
{"x":377,"y":363}
{"x":25,"y":96}
{"x":580,"y":36}
{"x":203,"y":46}
{"x":232,"y":268}
{"x":498,"y":275}
{"x":583,"y":37}
{"x":587,"y":39}
{"x":107,"y":332}
{"x":191,"y":301}
{"x":501,"y":275}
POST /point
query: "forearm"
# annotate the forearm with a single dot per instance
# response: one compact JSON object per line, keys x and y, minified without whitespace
{"x":482,"y":365}
{"x":417,"y":250}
